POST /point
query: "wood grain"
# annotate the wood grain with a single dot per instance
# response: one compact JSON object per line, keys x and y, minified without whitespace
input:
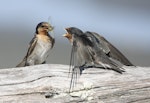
{"x":31,"y":84}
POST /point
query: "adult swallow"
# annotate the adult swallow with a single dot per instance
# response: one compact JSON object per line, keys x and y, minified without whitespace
{"x":89,"y":52}
{"x":39,"y":46}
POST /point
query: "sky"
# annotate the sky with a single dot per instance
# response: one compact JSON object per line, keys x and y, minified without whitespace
{"x":125,"y":23}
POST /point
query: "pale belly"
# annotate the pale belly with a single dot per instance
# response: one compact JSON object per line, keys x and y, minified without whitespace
{"x":40,"y":53}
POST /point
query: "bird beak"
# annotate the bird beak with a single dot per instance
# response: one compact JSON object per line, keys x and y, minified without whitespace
{"x":68,"y":35}
{"x":51,"y":28}
{"x":65,"y":35}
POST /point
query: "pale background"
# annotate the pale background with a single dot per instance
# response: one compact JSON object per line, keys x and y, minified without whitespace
{"x":125,"y":23}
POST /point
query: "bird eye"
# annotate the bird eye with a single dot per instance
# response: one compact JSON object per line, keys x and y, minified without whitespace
{"x":42,"y":26}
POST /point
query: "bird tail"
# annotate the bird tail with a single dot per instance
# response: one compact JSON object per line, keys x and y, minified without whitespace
{"x":119,"y":70}
{"x":111,"y":66}
{"x":119,"y":56}
{"x":116,"y":67}
{"x":22,"y":64}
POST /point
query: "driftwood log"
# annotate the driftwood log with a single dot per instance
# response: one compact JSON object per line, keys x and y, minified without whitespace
{"x":34,"y":83}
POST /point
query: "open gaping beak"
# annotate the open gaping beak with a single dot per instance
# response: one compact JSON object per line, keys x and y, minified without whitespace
{"x":68,"y":35}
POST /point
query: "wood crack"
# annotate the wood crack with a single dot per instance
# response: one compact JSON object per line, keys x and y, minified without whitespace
{"x":27,"y":81}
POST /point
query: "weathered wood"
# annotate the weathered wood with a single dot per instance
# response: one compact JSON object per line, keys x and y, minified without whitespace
{"x":31,"y":84}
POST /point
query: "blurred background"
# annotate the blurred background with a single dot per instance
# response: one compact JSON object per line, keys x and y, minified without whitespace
{"x":125,"y":23}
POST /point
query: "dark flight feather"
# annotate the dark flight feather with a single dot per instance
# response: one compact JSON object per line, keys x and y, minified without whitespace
{"x":111,"y":50}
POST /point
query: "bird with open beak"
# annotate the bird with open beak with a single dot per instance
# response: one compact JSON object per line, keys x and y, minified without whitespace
{"x":92,"y":50}
{"x":39,"y":46}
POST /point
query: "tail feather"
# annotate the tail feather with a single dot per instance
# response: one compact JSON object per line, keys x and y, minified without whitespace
{"x":22,"y":64}
{"x":118,"y":70}
{"x":116,"y":67}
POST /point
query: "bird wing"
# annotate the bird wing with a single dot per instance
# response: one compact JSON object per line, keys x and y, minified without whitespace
{"x":80,"y":56}
{"x":85,"y":46}
{"x":111,"y":50}
{"x":98,"y":56}
{"x":32,"y":45}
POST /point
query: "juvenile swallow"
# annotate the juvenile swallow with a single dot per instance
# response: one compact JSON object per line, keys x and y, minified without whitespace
{"x":88,"y":48}
{"x":89,"y":52}
{"x":39,"y":46}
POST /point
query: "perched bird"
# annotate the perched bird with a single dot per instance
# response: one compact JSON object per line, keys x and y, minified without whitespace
{"x":39,"y":46}
{"x":89,"y":50}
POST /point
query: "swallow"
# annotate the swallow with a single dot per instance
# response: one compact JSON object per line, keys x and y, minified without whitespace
{"x":39,"y":46}
{"x":88,"y":52}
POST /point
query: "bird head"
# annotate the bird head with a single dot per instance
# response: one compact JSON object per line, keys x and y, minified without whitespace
{"x":43,"y":27}
{"x":72,"y":32}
